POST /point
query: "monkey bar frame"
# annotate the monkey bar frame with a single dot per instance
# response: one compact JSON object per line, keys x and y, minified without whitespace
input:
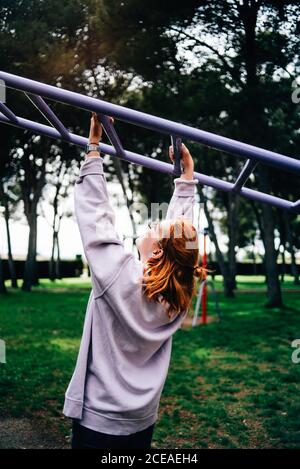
{"x":37,"y":91}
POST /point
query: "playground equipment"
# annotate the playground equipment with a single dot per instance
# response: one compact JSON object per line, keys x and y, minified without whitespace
{"x":202,"y":292}
{"x":36,"y":91}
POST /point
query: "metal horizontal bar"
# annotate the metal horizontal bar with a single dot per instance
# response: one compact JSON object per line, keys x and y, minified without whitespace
{"x":152,"y":122}
{"x":8,"y":113}
{"x":154,"y":164}
{"x":49,"y":115}
{"x":247,"y":169}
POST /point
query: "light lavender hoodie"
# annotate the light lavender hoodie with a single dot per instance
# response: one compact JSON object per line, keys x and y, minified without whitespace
{"x":126,"y":343}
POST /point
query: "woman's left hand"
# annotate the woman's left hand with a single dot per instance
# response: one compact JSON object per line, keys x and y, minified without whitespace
{"x":96,"y":129}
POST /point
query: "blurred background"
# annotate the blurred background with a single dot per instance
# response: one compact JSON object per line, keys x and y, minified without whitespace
{"x":228,"y":67}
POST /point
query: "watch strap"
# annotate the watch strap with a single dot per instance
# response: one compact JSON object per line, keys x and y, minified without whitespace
{"x":92,"y":147}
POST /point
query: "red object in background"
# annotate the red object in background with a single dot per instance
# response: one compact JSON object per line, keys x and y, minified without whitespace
{"x":204,"y":293}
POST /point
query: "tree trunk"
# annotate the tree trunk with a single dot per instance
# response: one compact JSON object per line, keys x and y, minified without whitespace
{"x":261,"y":230}
{"x":254,"y":258}
{"x":233,"y":209}
{"x":30,"y":270}
{"x":289,"y":237}
{"x":51,"y":263}
{"x":283,"y":264}
{"x":32,"y":187}
{"x":273,"y":284}
{"x":11,"y":264}
{"x":233,"y":206}
{"x":3,"y":289}
{"x":253,"y":125}
{"x":57,"y":264}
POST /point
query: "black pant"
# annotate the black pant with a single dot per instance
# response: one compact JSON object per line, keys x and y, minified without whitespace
{"x":85,"y":438}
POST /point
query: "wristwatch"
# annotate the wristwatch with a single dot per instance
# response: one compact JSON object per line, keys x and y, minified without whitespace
{"x":91,"y":147}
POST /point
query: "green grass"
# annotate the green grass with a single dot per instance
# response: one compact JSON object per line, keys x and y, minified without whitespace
{"x":243,"y":282}
{"x":231,"y":384}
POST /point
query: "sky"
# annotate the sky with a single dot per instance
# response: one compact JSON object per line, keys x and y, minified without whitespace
{"x":69,"y":236}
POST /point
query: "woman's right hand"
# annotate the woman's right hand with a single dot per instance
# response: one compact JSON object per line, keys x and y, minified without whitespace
{"x":186,"y":161}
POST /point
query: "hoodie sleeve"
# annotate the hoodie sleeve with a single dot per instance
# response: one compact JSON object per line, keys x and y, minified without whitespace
{"x":95,"y":216}
{"x":183,"y":199}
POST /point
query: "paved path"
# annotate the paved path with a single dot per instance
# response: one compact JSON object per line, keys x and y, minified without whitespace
{"x":24,"y":433}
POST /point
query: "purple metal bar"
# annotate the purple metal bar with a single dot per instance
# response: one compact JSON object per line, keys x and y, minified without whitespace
{"x":8,"y":113}
{"x":247,"y":169}
{"x":155,"y":164}
{"x":112,"y":134}
{"x":49,"y":115}
{"x":152,"y":122}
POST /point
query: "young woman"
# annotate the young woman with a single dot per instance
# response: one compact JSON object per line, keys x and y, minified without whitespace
{"x":134,"y":308}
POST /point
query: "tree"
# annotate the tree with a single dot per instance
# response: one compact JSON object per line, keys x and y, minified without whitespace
{"x":253,"y":49}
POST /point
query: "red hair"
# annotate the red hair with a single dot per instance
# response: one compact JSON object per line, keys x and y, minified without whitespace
{"x":174,"y":274}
